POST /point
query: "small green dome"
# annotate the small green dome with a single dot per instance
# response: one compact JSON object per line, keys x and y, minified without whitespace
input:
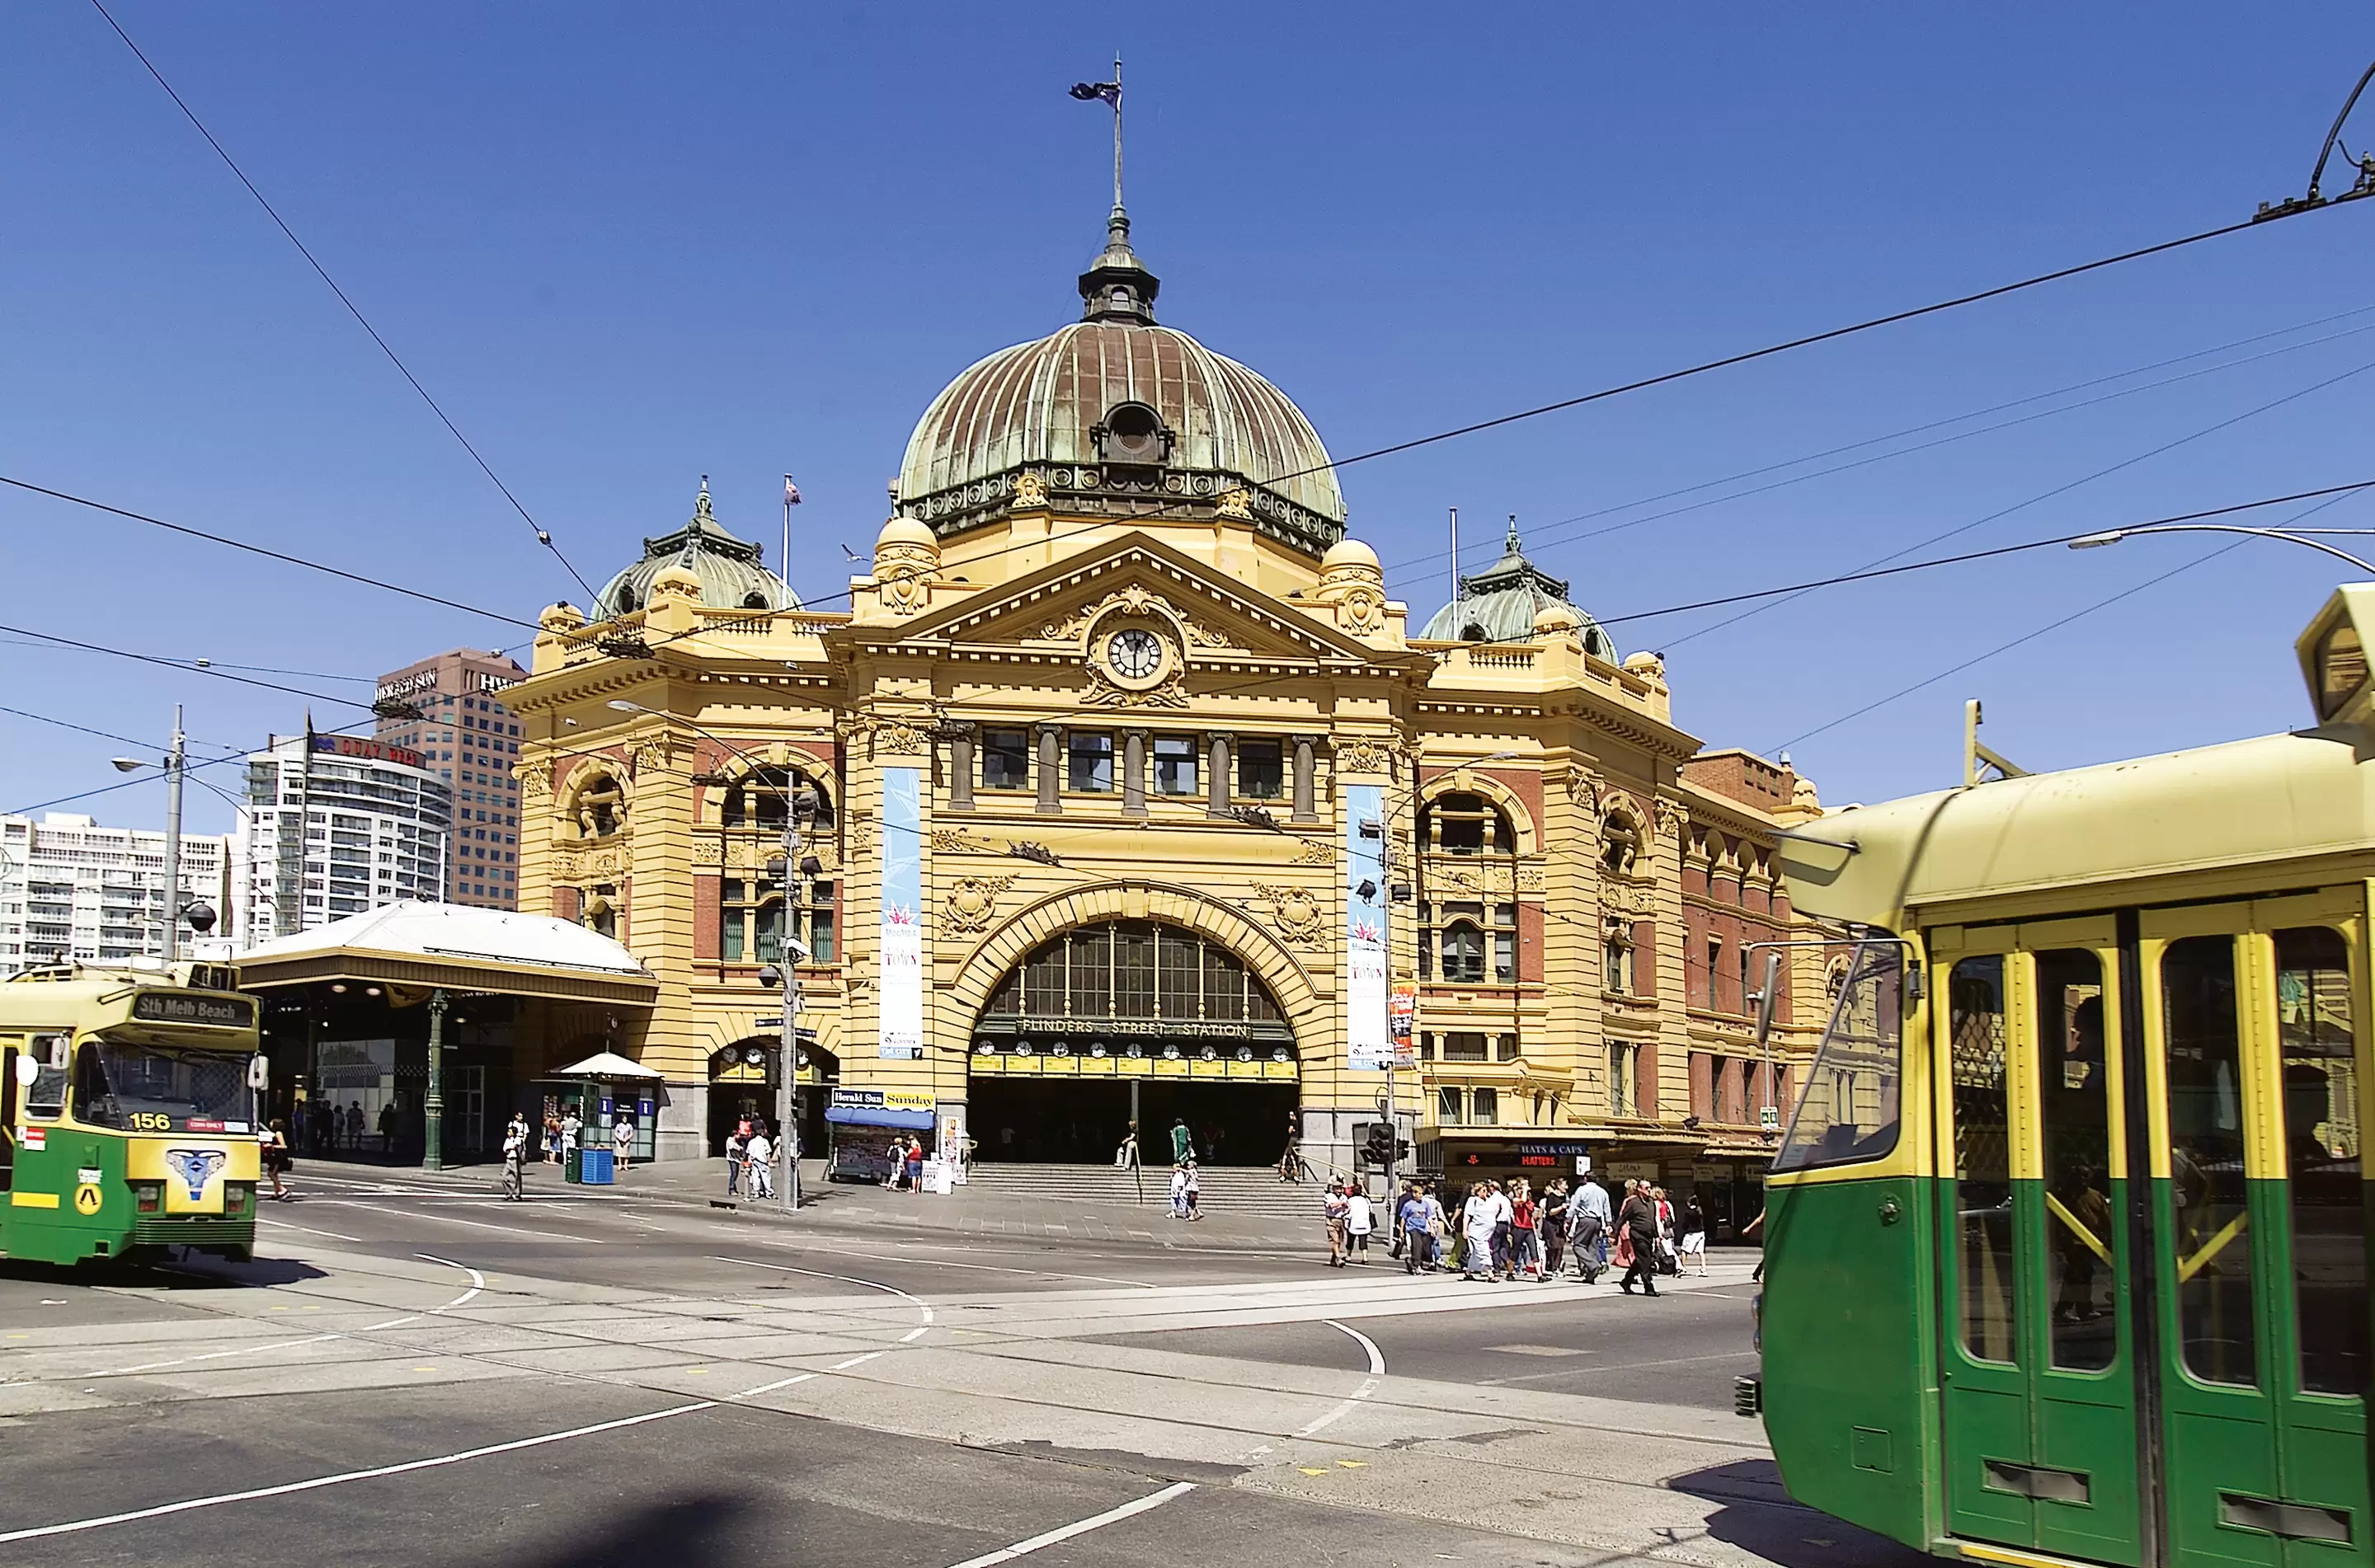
{"x":1498,"y":605}
{"x":729,"y":570}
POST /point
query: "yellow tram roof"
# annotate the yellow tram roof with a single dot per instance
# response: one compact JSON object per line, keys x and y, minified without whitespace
{"x":2248,"y":803}
{"x":2211,"y":821}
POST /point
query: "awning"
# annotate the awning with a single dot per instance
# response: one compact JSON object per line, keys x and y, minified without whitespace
{"x":877,"y":1116}
{"x":605,"y":1064}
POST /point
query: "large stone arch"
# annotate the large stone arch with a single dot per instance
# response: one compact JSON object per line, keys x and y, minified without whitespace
{"x":1167,"y":902}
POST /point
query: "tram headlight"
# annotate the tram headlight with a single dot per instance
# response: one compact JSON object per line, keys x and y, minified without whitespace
{"x":148,"y":1197}
{"x":237,"y":1195}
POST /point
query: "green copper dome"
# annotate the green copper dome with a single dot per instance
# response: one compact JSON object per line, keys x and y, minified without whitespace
{"x":731,"y":575}
{"x":1498,"y":605}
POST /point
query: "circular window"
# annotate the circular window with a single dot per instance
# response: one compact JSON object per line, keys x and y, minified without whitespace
{"x":1134,"y":435}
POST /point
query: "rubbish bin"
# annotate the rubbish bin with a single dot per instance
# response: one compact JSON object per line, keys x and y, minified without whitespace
{"x":597,"y":1167}
{"x":571,"y":1171}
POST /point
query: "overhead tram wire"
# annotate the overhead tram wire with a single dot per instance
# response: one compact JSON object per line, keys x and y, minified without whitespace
{"x":2285,"y":524}
{"x":193,"y":768}
{"x":1549,"y":533}
{"x":160,"y":660}
{"x":1667,"y":377}
{"x":2060,"y":489}
{"x":542,"y":537}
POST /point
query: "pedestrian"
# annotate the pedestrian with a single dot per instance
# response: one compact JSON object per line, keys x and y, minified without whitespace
{"x":1589,"y":1220}
{"x":915,"y":1162}
{"x":1409,"y":1227}
{"x":622,"y":1140}
{"x":1182,"y":1142}
{"x":1438,"y":1226}
{"x":1334,"y":1207}
{"x":1290,"y":1163}
{"x":355,"y":1126}
{"x":1360,"y":1219}
{"x":1522,"y":1210}
{"x":1179,"y":1192}
{"x":1637,"y":1242}
{"x":296,"y":1125}
{"x":387,"y":1125}
{"x":1669,"y":1260}
{"x":1757,"y":1273}
{"x":759,"y":1156}
{"x":1694,"y":1224}
{"x":897,"y":1156}
{"x":737,"y":1148}
{"x":1554,"y":1230}
{"x":1504,"y":1218}
{"x":1126,"y":1157}
{"x":515,"y":1141}
{"x":274,"y":1139}
{"x":1195,"y":1194}
{"x":551,"y":1139}
{"x":1476,"y":1223}
{"x":570,"y":1128}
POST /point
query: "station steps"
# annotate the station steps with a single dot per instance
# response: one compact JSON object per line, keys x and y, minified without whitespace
{"x":1223,"y":1189}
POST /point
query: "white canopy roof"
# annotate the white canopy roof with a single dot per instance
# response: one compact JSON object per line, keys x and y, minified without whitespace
{"x":604,"y":1065}
{"x":460,"y":931}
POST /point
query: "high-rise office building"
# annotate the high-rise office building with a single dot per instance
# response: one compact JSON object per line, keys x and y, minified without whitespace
{"x":337,"y":824}
{"x":70,"y":888}
{"x":469,"y":738}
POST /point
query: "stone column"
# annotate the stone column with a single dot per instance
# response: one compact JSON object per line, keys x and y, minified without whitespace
{"x":961,"y":770}
{"x":1216,"y":775}
{"x":1133,"y":773}
{"x":1051,"y":765}
{"x":1306,"y":807}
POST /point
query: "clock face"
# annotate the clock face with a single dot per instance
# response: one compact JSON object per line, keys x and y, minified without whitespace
{"x":1134,"y":654}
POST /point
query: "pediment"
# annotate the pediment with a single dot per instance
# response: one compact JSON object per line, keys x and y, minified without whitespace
{"x":1136,"y":579}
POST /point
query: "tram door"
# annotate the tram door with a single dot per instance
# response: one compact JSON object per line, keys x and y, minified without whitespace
{"x":2257,"y":1063}
{"x":2037,"y":1361}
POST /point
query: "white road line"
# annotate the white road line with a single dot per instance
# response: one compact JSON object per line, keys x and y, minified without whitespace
{"x":75,"y":1526}
{"x":478,"y":1280}
{"x":771,"y":1387}
{"x":473,"y":1224}
{"x":334,"y":1235}
{"x":919,"y":1305}
{"x":856,"y":1360}
{"x":1096,"y":1522}
{"x":215,"y":1355}
{"x":1377,"y":1371}
{"x":1002,"y":1268}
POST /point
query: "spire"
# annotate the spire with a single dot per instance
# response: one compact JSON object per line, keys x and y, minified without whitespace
{"x":1118,"y":286}
{"x":1509,"y":545}
{"x":701,"y":512}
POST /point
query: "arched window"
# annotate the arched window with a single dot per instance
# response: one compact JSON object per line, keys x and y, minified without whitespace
{"x":1462,"y":823}
{"x":762,"y":799}
{"x":1133,"y":977}
{"x":1463,"y":952}
{"x":602,"y":912}
{"x":1616,"y":959}
{"x":602,"y":807}
{"x":1620,"y":842}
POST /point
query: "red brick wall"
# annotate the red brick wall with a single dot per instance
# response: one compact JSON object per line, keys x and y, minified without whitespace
{"x":1645,"y":959}
{"x":1702,"y":1085}
{"x":705,"y":893}
{"x":1529,"y":941}
{"x":564,"y":903}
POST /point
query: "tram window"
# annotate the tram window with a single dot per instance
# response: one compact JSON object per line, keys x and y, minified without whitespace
{"x":1983,"y":1194}
{"x":2317,"y":1035}
{"x":92,"y":1104}
{"x":1850,"y":1110}
{"x":2213,"y":1247}
{"x":2075,"y":1110}
{"x":47,"y":1098}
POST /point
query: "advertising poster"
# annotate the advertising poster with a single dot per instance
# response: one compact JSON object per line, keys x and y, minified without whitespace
{"x":1401,"y":1016}
{"x":900,"y":987}
{"x":1369,"y":1047}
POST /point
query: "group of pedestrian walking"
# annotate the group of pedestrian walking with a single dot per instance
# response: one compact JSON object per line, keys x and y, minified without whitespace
{"x":1507,"y":1231}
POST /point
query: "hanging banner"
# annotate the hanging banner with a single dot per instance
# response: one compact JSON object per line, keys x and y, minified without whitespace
{"x":1369,"y":1047}
{"x":1401,"y":1015}
{"x":899,"y":985}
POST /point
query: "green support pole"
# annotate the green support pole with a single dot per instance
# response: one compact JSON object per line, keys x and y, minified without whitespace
{"x":433,"y":1107}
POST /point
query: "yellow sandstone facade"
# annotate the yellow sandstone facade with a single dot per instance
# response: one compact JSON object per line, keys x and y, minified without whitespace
{"x":1129,"y":773}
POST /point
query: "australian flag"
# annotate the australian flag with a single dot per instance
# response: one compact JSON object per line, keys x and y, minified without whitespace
{"x":1097,"y":92}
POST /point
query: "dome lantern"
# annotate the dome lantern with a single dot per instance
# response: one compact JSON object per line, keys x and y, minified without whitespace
{"x":728,"y":570}
{"x":1500,"y":604}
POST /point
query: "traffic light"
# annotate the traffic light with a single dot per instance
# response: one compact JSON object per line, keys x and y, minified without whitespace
{"x":1382,"y":1145}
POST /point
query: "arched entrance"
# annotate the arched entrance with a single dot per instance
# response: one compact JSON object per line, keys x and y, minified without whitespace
{"x":742,"y":1087}
{"x":1125,"y":1018}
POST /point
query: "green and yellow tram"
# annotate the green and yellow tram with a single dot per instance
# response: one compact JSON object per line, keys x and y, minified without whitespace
{"x":127,"y":1113}
{"x":2068,"y":1242}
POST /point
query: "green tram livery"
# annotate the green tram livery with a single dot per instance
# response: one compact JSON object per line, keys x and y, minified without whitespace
{"x":2068,"y":1241}
{"x":127,"y":1113}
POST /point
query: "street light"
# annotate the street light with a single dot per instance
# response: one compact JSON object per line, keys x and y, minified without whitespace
{"x":175,"y":764}
{"x":803,"y":808}
{"x":2113,"y":535}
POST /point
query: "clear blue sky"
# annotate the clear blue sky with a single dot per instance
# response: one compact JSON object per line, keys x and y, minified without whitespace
{"x":629,"y":245}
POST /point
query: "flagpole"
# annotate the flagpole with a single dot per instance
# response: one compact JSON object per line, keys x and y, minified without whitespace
{"x":1117,"y":130}
{"x":784,"y":565}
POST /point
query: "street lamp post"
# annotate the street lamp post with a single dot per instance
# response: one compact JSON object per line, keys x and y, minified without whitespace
{"x":2113,"y":535}
{"x":799,"y":806}
{"x":432,"y":1105}
{"x":176,"y":764}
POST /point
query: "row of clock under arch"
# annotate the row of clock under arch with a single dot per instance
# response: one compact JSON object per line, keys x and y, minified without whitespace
{"x":1131,"y":1052}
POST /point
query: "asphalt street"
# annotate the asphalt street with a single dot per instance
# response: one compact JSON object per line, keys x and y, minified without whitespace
{"x":415,"y":1372}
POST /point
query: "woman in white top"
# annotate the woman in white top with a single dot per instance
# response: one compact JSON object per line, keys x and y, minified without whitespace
{"x":1476,"y":1223}
{"x":1360,"y":1219}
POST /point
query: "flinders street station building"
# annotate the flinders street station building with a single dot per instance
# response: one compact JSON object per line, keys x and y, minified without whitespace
{"x":1132,"y":788}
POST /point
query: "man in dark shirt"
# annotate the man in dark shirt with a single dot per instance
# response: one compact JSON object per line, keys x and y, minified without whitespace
{"x":1639,"y":1220}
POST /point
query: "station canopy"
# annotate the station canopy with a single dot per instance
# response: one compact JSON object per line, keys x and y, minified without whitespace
{"x":421,"y":946}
